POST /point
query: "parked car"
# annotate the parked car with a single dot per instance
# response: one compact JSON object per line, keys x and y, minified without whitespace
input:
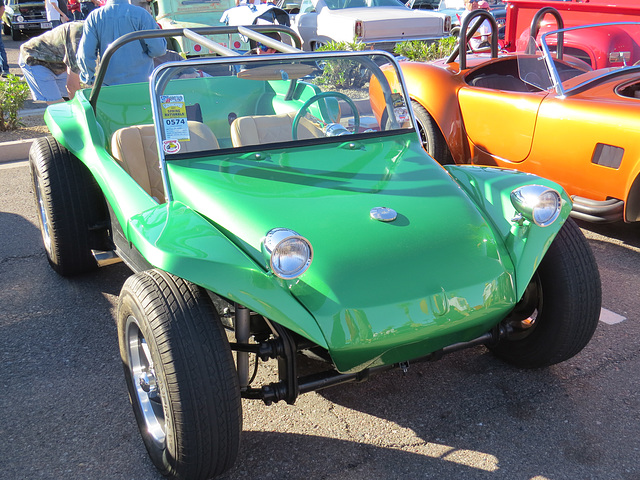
{"x":378,"y":23}
{"x":180,"y":14}
{"x":262,"y":201}
{"x":422,"y":4}
{"x":595,"y":48}
{"x":574,"y":13}
{"x":24,"y":16}
{"x":456,"y":8}
{"x":535,"y":112}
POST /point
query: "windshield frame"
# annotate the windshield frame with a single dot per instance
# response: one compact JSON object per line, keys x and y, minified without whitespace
{"x":556,"y":81}
{"x":162,"y":75}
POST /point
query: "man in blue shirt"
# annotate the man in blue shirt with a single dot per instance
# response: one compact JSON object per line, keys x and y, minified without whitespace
{"x":131,"y":63}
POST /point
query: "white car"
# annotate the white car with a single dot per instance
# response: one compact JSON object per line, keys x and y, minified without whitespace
{"x":378,"y":23}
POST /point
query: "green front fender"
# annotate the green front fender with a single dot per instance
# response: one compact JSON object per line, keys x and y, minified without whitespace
{"x":491,"y":189}
{"x":176,"y":239}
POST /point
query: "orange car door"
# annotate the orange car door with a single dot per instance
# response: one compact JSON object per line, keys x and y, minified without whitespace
{"x":498,"y":122}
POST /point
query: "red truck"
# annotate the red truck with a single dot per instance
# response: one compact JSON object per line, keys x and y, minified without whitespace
{"x":613,"y":47}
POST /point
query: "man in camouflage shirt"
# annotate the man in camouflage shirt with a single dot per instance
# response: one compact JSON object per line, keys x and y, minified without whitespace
{"x":50,"y":65}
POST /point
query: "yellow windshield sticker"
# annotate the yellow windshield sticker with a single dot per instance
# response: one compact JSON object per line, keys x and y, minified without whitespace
{"x":174,"y":118}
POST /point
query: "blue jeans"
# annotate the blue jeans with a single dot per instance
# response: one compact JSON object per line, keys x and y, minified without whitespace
{"x":45,"y":85}
{"x":86,"y":8}
{"x":3,"y":57}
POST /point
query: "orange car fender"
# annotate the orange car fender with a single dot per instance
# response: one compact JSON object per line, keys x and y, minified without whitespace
{"x":436,"y":89}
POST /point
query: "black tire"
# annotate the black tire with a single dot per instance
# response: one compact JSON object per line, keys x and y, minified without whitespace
{"x":15,"y":34}
{"x":560,"y":310}
{"x":430,"y":135}
{"x":6,"y":29}
{"x":71,"y":207}
{"x":196,"y":409}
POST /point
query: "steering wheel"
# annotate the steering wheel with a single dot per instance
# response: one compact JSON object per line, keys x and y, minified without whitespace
{"x":319,"y":96}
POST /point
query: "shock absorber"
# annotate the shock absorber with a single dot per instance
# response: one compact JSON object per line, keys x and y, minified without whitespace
{"x":241,"y":324}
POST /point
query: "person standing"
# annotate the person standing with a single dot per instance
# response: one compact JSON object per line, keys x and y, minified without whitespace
{"x":146,"y":4}
{"x":482,"y":35}
{"x":54,"y":14}
{"x":87,"y":7}
{"x":4,"y":62}
{"x":131,"y":63}
{"x":74,"y":10}
{"x":49,"y":63}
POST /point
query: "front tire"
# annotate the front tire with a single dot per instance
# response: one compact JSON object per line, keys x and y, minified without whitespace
{"x":181,"y":375}
{"x":430,"y":135}
{"x":560,"y":309}
{"x":15,"y":34}
{"x":71,"y":207}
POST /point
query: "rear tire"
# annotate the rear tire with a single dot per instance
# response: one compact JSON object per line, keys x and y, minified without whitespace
{"x":71,"y":207}
{"x":560,"y":309}
{"x":181,"y":375}
{"x":430,"y":135}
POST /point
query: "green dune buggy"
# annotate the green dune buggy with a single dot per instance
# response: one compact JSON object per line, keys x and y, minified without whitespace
{"x":267,"y":215}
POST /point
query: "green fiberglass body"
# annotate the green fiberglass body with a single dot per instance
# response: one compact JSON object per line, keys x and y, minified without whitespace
{"x":258,"y":196}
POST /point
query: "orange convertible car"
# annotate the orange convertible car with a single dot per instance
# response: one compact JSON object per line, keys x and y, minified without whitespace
{"x":540,"y":112}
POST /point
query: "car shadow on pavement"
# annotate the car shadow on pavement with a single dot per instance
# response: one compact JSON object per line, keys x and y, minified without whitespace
{"x":471,"y":416}
{"x":628,"y":233}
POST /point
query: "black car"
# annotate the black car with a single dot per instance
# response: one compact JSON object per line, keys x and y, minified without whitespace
{"x":22,"y":16}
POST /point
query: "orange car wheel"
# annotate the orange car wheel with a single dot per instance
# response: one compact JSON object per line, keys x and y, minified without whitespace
{"x":430,"y":135}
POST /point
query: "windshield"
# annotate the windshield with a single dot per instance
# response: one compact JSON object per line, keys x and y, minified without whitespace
{"x":586,"y":54}
{"x":451,"y":4}
{"x":340,"y":4}
{"x":250,"y":102}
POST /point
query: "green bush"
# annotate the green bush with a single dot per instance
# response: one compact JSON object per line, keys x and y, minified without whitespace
{"x":420,"y":51}
{"x":343,"y":73}
{"x":13,"y":93}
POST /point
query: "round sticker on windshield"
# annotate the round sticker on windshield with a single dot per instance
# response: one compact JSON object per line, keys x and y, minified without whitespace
{"x":171,"y":146}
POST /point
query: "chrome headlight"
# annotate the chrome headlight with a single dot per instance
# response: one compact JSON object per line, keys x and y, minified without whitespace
{"x":19,"y":18}
{"x":288,"y":254}
{"x":537,"y":203}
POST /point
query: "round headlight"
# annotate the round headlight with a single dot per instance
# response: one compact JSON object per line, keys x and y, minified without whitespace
{"x":19,"y":18}
{"x":289,"y":254}
{"x":537,"y":203}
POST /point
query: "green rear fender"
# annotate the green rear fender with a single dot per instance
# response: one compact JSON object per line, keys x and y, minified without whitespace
{"x":491,"y":189}
{"x":176,"y":239}
{"x":173,"y":237}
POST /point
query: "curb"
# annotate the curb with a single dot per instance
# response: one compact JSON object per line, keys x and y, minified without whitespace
{"x":14,"y":151}
{"x":18,"y":149}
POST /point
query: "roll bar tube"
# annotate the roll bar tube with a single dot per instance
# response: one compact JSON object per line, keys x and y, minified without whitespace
{"x":465,"y":36}
{"x":195,"y":34}
{"x":534,"y":29}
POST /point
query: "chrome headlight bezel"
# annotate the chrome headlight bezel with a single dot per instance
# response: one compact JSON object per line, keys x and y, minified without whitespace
{"x":537,"y":203}
{"x":278,"y":245}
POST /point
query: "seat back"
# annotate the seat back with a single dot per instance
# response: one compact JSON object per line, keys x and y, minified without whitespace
{"x":500,"y":82}
{"x":260,"y":129}
{"x":135,"y":150}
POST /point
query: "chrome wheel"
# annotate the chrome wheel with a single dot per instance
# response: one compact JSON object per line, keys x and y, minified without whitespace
{"x":44,"y":222}
{"x":145,"y":383}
